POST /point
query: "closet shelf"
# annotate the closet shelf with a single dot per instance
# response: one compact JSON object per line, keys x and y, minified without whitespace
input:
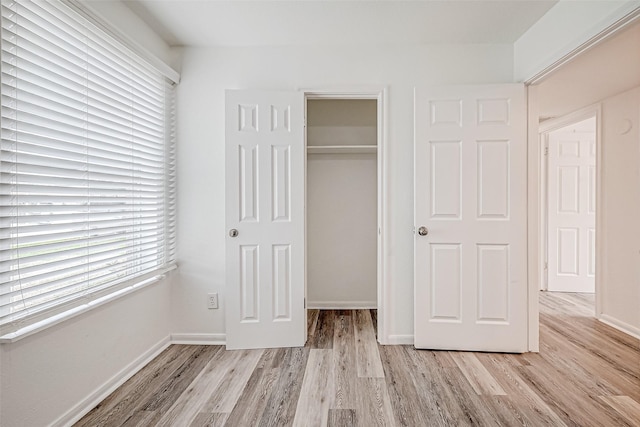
{"x":341,"y":149}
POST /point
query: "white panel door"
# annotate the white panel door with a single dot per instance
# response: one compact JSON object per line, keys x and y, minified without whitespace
{"x":265,"y":219}
{"x":572,"y":211}
{"x":470,"y":196}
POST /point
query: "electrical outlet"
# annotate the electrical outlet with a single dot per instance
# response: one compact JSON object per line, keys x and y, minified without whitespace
{"x":212,"y":301}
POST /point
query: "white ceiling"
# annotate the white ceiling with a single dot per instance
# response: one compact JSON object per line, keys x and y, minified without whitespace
{"x":331,"y":22}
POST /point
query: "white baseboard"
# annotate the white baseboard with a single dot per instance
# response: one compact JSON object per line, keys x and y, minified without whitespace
{"x":400,"y":340}
{"x":199,"y":339}
{"x":342,"y":305}
{"x":83,"y":407}
{"x":620,"y":325}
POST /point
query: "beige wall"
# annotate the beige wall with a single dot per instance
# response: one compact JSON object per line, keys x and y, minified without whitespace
{"x":609,"y":68}
{"x":609,"y":75}
{"x":620,"y":201}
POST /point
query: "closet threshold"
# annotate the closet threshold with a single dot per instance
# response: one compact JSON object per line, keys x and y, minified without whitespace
{"x":341,"y":149}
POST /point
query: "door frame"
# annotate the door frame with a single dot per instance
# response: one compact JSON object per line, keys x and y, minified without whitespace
{"x":379,"y":93}
{"x":537,"y":209}
{"x":622,"y":18}
{"x":545,"y":128}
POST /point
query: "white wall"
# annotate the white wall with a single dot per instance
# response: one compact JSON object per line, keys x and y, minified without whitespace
{"x":45,"y":376}
{"x":125,"y":23}
{"x":620,"y":237}
{"x":207,"y":72}
{"x":565,"y":27}
{"x":342,"y":206}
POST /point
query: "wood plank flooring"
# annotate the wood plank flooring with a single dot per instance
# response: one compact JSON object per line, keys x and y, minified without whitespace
{"x":586,"y":374}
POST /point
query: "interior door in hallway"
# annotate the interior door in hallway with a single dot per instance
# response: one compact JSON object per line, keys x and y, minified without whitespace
{"x":572,"y":208}
{"x":265,"y":219}
{"x":470,"y":170}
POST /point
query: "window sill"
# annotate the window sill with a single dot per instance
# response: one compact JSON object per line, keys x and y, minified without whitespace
{"x":34,"y":328}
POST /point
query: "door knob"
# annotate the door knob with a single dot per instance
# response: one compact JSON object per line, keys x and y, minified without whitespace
{"x":233,"y":232}
{"x":423,"y":231}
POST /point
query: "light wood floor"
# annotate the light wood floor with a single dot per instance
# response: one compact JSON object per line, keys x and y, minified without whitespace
{"x":586,"y":374}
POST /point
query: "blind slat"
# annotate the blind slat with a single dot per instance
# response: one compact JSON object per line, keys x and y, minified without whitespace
{"x":74,"y":276}
{"x":98,"y":154}
{"x":82,"y":126}
{"x":75,"y":286}
{"x":85,"y":105}
{"x":93,"y":223}
{"x":77,"y":235}
{"x":33,"y":262}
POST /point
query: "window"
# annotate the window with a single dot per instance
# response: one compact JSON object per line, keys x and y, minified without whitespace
{"x":87,"y":188}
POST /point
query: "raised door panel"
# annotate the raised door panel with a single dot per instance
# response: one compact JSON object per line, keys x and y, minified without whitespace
{"x":568,"y":251}
{"x":493,"y":179}
{"x":281,"y":183}
{"x":249,"y":284}
{"x":281,"y":282}
{"x":568,"y":189}
{"x":446,"y":179}
{"x":248,"y":185}
{"x":446,"y":303}
{"x":493,"y":283}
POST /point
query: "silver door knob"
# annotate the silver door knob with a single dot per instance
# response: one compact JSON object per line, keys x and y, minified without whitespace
{"x":423,"y":231}
{"x":233,"y":232}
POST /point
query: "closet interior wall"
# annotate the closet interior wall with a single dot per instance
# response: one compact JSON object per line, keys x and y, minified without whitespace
{"x":341,"y":203}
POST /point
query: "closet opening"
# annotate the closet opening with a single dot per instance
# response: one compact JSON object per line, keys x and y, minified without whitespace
{"x":343,"y":204}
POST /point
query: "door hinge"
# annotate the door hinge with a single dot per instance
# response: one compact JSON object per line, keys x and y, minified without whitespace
{"x":546,"y":151}
{"x":305,"y":302}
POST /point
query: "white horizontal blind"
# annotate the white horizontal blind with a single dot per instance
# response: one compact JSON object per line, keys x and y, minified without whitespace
{"x":87,"y":186}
